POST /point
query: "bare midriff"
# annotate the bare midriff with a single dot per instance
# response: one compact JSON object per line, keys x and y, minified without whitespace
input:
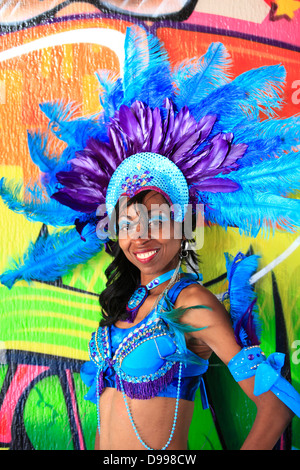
{"x":153,"y":419}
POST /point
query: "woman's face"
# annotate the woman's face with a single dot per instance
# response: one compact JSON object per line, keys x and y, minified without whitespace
{"x":148,"y":237}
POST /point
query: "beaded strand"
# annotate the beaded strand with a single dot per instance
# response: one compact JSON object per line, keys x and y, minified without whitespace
{"x":98,"y":399}
{"x":174,"y":419}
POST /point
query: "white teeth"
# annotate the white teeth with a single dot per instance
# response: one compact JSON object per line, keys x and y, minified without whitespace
{"x":145,"y":255}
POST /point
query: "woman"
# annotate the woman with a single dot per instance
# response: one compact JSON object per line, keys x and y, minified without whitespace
{"x":160,"y":420}
{"x":188,"y":135}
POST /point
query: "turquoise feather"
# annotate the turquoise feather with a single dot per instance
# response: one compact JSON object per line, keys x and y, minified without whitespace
{"x":147,"y":75}
{"x":34,"y":204}
{"x":252,"y":213}
{"x":279,"y":176}
{"x":172,"y":316}
{"x":52,"y":256}
{"x":241,"y":295}
{"x":197,"y":78}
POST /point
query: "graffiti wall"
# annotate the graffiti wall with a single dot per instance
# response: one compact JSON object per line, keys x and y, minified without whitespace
{"x":51,"y":50}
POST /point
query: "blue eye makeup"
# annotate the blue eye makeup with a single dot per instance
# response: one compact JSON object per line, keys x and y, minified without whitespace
{"x":124,"y":224}
{"x":159,"y":218}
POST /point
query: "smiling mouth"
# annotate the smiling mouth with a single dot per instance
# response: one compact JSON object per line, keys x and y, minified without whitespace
{"x":146,"y":255}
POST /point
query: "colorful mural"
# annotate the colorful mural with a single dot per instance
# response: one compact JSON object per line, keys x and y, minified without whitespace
{"x":51,"y":50}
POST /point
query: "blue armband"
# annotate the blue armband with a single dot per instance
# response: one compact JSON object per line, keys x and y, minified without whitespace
{"x":251,"y":361}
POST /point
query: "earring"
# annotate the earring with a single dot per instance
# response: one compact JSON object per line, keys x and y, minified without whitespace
{"x":184,"y":249}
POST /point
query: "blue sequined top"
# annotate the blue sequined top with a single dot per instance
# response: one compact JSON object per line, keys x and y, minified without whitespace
{"x":145,"y":358}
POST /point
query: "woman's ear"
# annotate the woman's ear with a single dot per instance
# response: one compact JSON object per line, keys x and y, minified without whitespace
{"x":184,"y":248}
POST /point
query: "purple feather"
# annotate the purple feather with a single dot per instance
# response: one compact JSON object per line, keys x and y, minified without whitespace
{"x":205,"y":125}
{"x":139,"y":128}
{"x":117,"y":144}
{"x":103,"y":153}
{"x":245,"y":328}
{"x":130,"y":124}
{"x":217,"y":185}
{"x":64,"y":197}
{"x":156,"y":134}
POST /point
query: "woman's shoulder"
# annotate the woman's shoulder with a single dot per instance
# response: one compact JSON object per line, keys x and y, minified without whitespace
{"x":195,"y":293}
{"x":208,"y":306}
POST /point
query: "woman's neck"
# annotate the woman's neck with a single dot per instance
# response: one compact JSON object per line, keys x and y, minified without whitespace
{"x":163,"y":280}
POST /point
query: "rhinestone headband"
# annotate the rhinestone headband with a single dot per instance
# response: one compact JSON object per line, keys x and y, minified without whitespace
{"x":149,"y":171}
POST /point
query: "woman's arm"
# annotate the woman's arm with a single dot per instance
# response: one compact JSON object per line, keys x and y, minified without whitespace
{"x":272,"y":415}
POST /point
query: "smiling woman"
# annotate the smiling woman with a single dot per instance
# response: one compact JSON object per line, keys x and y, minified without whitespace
{"x":149,"y":244}
{"x":146,"y":275}
{"x":159,"y":325}
{"x":155,"y":149}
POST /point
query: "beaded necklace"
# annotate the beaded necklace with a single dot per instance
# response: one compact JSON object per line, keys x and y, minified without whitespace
{"x":174,"y":419}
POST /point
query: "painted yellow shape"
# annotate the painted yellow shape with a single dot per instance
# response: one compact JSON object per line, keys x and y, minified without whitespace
{"x":43,"y":348}
{"x":47,"y":300}
{"x":62,"y":316}
{"x":16,"y":230}
{"x":46,"y":62}
{"x":91,"y":88}
{"x":68,"y":61}
{"x":40,"y":287}
{"x":287,"y":7}
{"x":59,"y":331}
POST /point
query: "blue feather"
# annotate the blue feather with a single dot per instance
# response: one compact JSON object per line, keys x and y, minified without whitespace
{"x":146,"y":65}
{"x":285,"y":131}
{"x":38,"y":145}
{"x":196,"y":78}
{"x":53,"y":256}
{"x":260,"y":150}
{"x":279,"y":176}
{"x":250,"y":93}
{"x":242,"y":296}
{"x":239,"y":270}
{"x":35,"y":205}
{"x":111,"y":93}
{"x":251,"y":213}
{"x":75,"y":132}
{"x":46,"y":152}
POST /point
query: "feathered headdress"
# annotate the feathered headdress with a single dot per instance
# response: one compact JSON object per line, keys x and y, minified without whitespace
{"x":236,"y":157}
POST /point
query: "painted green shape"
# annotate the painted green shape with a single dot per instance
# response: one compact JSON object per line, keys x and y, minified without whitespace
{"x":234,"y":411}
{"x":56,"y":317}
{"x":3,"y":372}
{"x":46,"y":416}
{"x":203,"y":434}
{"x":89,"y":276}
{"x":87,"y":413}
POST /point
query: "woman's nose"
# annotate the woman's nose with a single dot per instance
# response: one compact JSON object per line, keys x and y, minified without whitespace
{"x":141,"y":231}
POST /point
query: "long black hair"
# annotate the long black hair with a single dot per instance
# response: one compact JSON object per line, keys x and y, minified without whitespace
{"x":123,"y":277}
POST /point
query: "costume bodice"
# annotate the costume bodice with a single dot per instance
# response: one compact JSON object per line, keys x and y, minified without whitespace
{"x":144,"y":359}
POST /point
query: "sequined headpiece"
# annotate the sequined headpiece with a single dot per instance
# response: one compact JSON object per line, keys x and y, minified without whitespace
{"x":191,"y":132}
{"x":148,"y":171}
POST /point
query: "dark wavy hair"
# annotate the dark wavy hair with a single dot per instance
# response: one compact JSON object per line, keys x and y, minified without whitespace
{"x":123,"y":277}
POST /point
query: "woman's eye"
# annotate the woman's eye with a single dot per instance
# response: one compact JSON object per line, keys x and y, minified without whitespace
{"x":123,"y":227}
{"x":155,"y":222}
